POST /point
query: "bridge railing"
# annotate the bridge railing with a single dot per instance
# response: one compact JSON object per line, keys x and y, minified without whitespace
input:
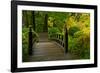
{"x":32,"y":39}
{"x":59,"y":38}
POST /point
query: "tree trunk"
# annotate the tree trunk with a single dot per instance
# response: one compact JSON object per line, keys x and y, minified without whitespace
{"x":45,"y":27}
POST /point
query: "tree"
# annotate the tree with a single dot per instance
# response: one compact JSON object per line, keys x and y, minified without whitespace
{"x":45,"y":27}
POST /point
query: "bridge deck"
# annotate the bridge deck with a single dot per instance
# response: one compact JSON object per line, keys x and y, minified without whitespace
{"x":47,"y":51}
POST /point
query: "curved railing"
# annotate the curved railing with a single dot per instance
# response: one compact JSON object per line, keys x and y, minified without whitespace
{"x":59,"y":38}
{"x":33,"y":37}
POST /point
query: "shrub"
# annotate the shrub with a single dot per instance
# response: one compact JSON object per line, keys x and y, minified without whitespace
{"x":72,"y":30}
{"x":80,"y":44}
{"x":52,"y":31}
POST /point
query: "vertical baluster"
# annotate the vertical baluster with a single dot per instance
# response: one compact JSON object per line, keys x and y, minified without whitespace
{"x":59,"y":36}
{"x":59,"y":39}
{"x":62,"y":39}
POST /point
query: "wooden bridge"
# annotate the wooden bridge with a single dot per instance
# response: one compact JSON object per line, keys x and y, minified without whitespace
{"x":47,"y":50}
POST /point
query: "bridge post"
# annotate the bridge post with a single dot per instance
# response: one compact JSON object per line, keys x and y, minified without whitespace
{"x":30,"y":41}
{"x":66,"y":40}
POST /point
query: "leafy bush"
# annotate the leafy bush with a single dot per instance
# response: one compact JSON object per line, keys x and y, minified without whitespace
{"x":80,"y":44}
{"x":72,"y":30}
{"x":53,"y":31}
{"x":24,"y":43}
{"x":79,"y":34}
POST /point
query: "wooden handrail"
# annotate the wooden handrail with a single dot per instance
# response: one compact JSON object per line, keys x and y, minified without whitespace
{"x":58,"y":38}
{"x":61,"y":39}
